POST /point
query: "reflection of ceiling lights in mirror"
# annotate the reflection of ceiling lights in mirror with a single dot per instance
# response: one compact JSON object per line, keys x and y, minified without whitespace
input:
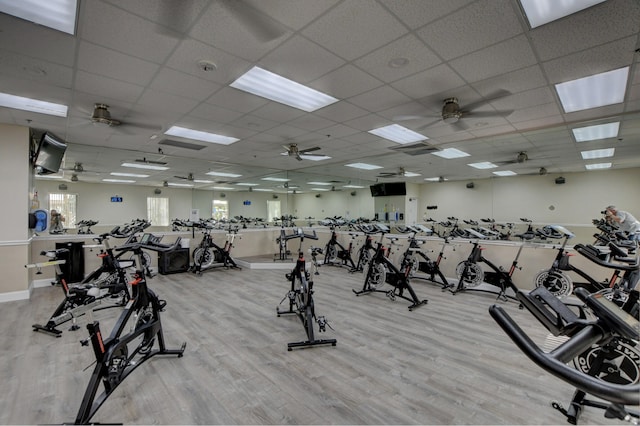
{"x":119,"y":180}
{"x":223,"y":174}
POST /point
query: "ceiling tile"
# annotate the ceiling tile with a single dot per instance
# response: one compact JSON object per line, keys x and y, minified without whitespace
{"x":106,"y":87}
{"x":354,"y":28}
{"x":435,"y":80}
{"x":498,"y":59}
{"x":379,"y":99}
{"x":416,"y":13}
{"x":115,"y":65}
{"x":300,"y":60}
{"x":472,"y":28}
{"x":185,"y":85}
{"x":409,"y":47}
{"x":345,"y":82}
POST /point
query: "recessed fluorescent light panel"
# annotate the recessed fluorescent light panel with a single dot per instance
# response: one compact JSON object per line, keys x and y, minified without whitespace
{"x":363,"y":166}
{"x":597,"y":153}
{"x":353,"y":186}
{"x":128,"y":175}
{"x":411,"y":174}
{"x":48,"y":176}
{"x":450,"y":153}
{"x":320,"y":189}
{"x":504,"y":173}
{"x":144,"y":166}
{"x":598,"y":90}
{"x":276,"y":179}
{"x":119,"y":180}
{"x":268,"y":85}
{"x":199,"y":135}
{"x":540,"y":12}
{"x":57,"y":14}
{"x":33,"y":105}
{"x":223,"y":188}
{"x":223,"y":174}
{"x":483,"y":165}
{"x":315,"y":157}
{"x":202,"y":181}
{"x":247,"y":184}
{"x":434,"y":179}
{"x":398,"y":133}
{"x":592,"y":133}
{"x":181,"y":185}
{"x":263,"y":189}
{"x":597,"y":166}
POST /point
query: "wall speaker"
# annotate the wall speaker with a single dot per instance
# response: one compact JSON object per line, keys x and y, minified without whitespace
{"x":157,"y":191}
{"x":275,"y":196}
{"x":470,"y":185}
{"x":172,"y":262}
{"x":62,"y":187}
{"x":353,"y":193}
{"x":560,"y":180}
{"x":317,"y":195}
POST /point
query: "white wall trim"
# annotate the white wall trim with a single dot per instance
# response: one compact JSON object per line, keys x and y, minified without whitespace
{"x":13,"y":296}
{"x":16,"y":243}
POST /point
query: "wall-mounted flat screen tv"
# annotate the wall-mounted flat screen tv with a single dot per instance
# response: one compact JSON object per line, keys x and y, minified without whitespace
{"x":388,"y":189}
{"x":49,"y":154}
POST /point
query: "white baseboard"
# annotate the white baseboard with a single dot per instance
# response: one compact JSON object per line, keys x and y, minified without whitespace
{"x":12,"y":296}
{"x":45,"y":282}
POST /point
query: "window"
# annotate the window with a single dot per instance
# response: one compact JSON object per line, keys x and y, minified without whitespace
{"x":273,"y":210}
{"x":220,"y":209}
{"x":65,"y":205}
{"x":158,"y":211}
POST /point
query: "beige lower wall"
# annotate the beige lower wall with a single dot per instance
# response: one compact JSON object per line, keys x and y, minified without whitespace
{"x":15,"y":281}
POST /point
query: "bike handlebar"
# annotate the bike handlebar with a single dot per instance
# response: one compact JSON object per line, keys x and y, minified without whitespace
{"x":554,"y":362}
{"x":149,"y":242}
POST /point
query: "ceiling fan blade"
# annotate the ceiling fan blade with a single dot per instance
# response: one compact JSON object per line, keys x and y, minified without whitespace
{"x":431,"y":123}
{"x":486,"y":99}
{"x":298,"y":157}
{"x":483,"y":114}
{"x":304,"y":151}
{"x":459,"y":125}
{"x":408,"y":117}
{"x":261,"y":26}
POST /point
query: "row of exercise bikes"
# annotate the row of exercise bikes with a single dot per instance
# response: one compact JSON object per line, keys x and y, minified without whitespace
{"x":600,"y":327}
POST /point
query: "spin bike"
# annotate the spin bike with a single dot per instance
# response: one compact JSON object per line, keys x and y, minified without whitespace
{"x":209,"y":255}
{"x":366,"y":250}
{"x":106,"y":282}
{"x":132,"y":340}
{"x":594,"y":341}
{"x":419,"y":260}
{"x":301,"y":304}
{"x":471,"y":275}
{"x":381,"y":271}
{"x":284,"y":238}
{"x":611,"y":257}
{"x":334,"y":251}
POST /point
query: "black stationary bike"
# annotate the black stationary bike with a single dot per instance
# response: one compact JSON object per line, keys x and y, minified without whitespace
{"x":605,"y":369}
{"x":420,"y":262}
{"x":132,"y":339}
{"x":381,"y":271}
{"x":471,"y":274}
{"x":336,"y":254}
{"x":612,"y":256}
{"x":209,"y":255}
{"x":301,"y":304}
{"x":367,"y":249}
{"x":107,"y":282}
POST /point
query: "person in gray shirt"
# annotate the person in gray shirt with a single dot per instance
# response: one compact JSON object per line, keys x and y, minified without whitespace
{"x":625,"y":221}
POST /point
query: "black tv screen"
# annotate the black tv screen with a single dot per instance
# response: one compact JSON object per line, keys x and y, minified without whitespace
{"x":395,"y":188}
{"x":377,"y":190}
{"x":49,"y":154}
{"x":388,"y":189}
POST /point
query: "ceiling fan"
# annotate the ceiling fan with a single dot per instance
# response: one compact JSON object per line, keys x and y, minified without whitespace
{"x":520,"y":158}
{"x":452,"y":112}
{"x":400,"y":173}
{"x":189,"y":177}
{"x":78,"y":168}
{"x":294,"y":151}
{"x":176,"y":16}
{"x":102,"y":115}
{"x":144,"y":160}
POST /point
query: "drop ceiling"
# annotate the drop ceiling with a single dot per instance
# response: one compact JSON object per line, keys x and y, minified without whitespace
{"x":382,"y":59}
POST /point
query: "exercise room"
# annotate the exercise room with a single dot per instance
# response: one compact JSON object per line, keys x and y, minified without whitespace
{"x":349,"y":212}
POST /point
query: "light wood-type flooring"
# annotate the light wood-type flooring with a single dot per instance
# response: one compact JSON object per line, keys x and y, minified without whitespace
{"x":447,"y":362}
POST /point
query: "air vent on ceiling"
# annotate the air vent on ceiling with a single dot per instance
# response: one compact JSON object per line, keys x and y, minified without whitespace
{"x":179,"y":144}
{"x":419,"y":148}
